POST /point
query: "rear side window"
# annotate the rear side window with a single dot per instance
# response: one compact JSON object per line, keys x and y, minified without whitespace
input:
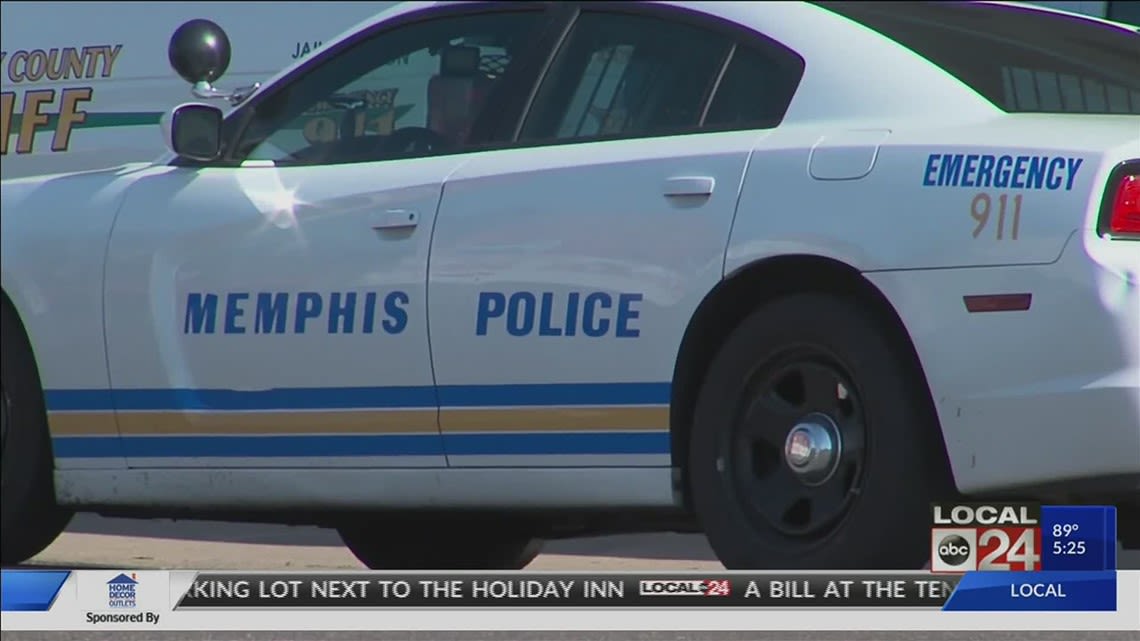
{"x":756,"y":88}
{"x":1020,"y":59}
{"x":626,"y":76}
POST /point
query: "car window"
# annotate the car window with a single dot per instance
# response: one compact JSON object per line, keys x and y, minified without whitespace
{"x":414,"y":91}
{"x":1020,"y":59}
{"x":756,"y":88}
{"x":1127,"y":12}
{"x":623,"y":75}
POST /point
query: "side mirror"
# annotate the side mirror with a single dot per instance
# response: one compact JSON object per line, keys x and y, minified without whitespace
{"x":199,"y":51}
{"x":194,"y":131}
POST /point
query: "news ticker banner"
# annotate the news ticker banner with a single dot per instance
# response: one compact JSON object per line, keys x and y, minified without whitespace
{"x":36,"y":591}
{"x":183,"y":600}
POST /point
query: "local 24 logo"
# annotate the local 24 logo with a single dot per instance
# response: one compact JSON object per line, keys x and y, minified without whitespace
{"x":685,"y":587}
{"x":986,"y":537}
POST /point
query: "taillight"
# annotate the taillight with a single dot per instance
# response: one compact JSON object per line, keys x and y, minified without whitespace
{"x":1120,"y":217}
{"x":1125,"y":215}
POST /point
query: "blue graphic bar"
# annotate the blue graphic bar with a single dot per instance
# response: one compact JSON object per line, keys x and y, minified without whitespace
{"x":313,"y":398}
{"x":336,"y":445}
{"x":1034,"y":592}
{"x":1078,"y":538}
{"x":30,"y":590}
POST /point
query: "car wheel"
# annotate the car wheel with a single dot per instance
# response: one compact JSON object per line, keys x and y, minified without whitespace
{"x":438,"y":545}
{"x":29,"y":517}
{"x":814,"y":443}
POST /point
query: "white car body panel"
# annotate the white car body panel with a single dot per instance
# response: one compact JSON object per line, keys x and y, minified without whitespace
{"x":1002,"y":407}
{"x":50,"y":297}
{"x":324,"y":315}
{"x":602,"y":290}
{"x":289,"y":490}
{"x":935,"y":220}
{"x":981,"y":390}
{"x":123,"y":63}
{"x":559,"y":420}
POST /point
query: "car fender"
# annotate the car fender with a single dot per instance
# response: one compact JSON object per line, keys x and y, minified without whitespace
{"x":52,"y":251}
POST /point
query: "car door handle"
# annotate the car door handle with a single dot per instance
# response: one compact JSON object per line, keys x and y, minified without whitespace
{"x":689,"y":186}
{"x":396,"y":219}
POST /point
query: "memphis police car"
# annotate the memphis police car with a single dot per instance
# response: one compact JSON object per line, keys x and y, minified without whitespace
{"x":577,"y":268}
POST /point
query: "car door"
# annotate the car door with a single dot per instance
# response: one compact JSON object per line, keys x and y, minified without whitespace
{"x":271,"y":309}
{"x":564,"y":273}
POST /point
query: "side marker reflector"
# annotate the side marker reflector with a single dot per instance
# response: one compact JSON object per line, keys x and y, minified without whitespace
{"x":998,"y":303}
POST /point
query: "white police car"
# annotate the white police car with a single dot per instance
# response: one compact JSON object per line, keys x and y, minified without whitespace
{"x":479,"y":274}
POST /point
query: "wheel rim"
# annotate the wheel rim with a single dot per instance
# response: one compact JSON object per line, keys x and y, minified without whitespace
{"x":795,"y":458}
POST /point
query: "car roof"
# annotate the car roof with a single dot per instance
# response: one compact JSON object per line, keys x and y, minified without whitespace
{"x":835,"y":85}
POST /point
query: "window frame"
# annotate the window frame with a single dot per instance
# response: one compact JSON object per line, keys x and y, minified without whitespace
{"x":738,"y":35}
{"x":512,"y":94}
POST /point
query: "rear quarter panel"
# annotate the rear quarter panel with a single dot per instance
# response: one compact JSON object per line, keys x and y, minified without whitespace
{"x":922,"y":205}
{"x":910,"y":226}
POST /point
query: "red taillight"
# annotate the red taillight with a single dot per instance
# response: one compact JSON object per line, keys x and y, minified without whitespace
{"x":1124,"y":217}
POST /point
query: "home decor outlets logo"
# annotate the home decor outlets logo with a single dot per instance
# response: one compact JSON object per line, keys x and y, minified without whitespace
{"x":122,"y":591}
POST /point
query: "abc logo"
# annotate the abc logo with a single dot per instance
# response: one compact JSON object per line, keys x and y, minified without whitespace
{"x":953,"y":550}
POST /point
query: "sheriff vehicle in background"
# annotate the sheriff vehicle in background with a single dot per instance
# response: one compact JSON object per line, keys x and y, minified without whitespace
{"x":85,"y":83}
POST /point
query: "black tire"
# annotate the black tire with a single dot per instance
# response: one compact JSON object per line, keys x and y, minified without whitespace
{"x":29,"y":517}
{"x":873,"y":512}
{"x":438,"y":544}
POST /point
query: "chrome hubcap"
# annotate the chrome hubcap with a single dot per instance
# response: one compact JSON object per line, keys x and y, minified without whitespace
{"x":812,"y":449}
{"x":795,"y":455}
